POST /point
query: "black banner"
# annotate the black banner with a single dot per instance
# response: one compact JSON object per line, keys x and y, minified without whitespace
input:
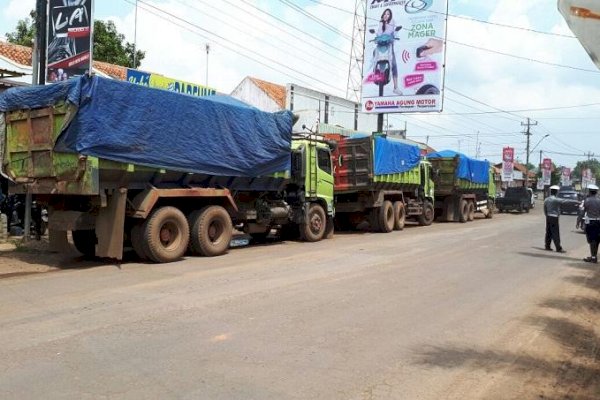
{"x":70,"y":28}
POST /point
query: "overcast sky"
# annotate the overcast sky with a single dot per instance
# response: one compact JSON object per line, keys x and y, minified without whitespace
{"x":495,"y":63}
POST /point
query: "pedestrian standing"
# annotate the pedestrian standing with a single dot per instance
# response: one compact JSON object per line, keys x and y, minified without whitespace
{"x":552,"y":206}
{"x":591,"y":218}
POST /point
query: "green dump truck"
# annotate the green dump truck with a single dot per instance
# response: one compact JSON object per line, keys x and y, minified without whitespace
{"x":381,"y":181}
{"x":69,"y":147}
{"x":463,"y":186}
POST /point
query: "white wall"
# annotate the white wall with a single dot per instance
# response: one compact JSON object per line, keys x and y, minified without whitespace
{"x":311,"y":105}
{"x":249,"y":93}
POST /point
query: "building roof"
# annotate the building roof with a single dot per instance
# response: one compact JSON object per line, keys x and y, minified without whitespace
{"x":274,"y":91}
{"x":19,"y":54}
{"x":519,"y":167}
{"x":22,"y":55}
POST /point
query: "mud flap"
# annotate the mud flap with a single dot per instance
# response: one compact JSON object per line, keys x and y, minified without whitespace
{"x":110,"y":226}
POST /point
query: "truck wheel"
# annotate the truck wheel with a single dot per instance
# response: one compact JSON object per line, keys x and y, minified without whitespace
{"x":527,"y":209}
{"x":463,"y":211}
{"x":211,"y":231}
{"x":85,"y":242}
{"x":137,"y":242}
{"x":166,"y":235}
{"x":399,"y":216}
{"x":471,"y":214}
{"x":385,"y":217}
{"x":313,"y":229}
{"x":428,"y":215}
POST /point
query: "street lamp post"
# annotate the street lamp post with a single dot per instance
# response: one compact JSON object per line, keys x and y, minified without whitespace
{"x":531,"y":151}
{"x":207,"y":51}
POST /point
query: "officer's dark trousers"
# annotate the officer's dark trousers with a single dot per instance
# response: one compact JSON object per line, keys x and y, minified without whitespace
{"x":552,"y":232}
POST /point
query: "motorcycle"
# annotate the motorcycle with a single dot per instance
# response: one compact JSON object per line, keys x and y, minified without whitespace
{"x":382,"y":59}
{"x":14,"y":208}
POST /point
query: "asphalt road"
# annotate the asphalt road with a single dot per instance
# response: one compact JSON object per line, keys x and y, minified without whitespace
{"x":361,"y":316}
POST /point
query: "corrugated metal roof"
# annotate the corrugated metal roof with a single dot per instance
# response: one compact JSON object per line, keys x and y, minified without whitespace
{"x":274,"y":91}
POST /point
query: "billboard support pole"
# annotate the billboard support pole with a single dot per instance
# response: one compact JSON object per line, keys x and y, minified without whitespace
{"x":380,"y":123}
{"x":41,"y":38}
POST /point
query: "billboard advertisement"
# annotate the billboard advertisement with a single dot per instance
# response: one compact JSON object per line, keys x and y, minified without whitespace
{"x":170,"y":84}
{"x":69,"y":51}
{"x":565,"y":179}
{"x":547,"y":171}
{"x":403,"y":67}
{"x":508,"y":166}
{"x":587,"y":178}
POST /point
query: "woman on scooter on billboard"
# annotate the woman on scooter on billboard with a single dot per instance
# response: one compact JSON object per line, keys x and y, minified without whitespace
{"x":388,"y":26}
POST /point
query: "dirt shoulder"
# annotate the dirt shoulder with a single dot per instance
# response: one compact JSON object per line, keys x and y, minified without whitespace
{"x":19,"y":258}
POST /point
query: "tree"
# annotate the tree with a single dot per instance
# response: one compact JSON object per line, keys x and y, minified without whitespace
{"x":109,"y":45}
{"x":24,"y":33}
{"x":592,"y":164}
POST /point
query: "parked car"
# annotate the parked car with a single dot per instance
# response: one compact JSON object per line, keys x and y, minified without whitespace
{"x":515,"y":199}
{"x":571,"y":201}
{"x":533,"y":196}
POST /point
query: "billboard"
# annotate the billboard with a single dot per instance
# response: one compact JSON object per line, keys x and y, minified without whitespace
{"x":547,"y":171}
{"x":508,"y":166}
{"x":170,"y":84}
{"x":69,"y":51}
{"x":403,"y":63}
{"x":587,"y":178}
{"x":565,"y":179}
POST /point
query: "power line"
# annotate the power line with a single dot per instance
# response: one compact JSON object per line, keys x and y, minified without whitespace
{"x":250,"y":33}
{"x":523,"y":58}
{"x":229,"y":41}
{"x":482,"y":103}
{"x":465,"y":18}
{"x":316,"y":19}
{"x":291,"y":26}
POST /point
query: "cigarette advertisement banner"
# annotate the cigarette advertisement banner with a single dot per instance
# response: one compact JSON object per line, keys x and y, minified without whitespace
{"x":69,"y":51}
{"x":508,"y":158}
{"x":547,"y":171}
{"x":403,"y":68}
{"x":170,"y":84}
{"x":587,"y":178}
{"x":566,"y":177}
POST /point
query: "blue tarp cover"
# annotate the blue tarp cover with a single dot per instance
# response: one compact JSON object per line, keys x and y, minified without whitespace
{"x":393,"y":157}
{"x":476,"y":171}
{"x":119,"y":121}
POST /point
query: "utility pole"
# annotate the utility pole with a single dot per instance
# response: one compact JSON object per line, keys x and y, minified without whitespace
{"x":38,"y":63}
{"x":135,"y":37}
{"x":207,"y":51}
{"x":529,"y":124}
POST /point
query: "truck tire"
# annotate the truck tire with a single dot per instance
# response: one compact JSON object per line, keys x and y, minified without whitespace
{"x":137,"y":242}
{"x":210,"y":231}
{"x":85,"y":242}
{"x":463,"y":211}
{"x":471,"y":214}
{"x":399,"y":215}
{"x":166,"y":235}
{"x":428,"y":215}
{"x":385,"y":217}
{"x":527,"y":209}
{"x":315,"y":224}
